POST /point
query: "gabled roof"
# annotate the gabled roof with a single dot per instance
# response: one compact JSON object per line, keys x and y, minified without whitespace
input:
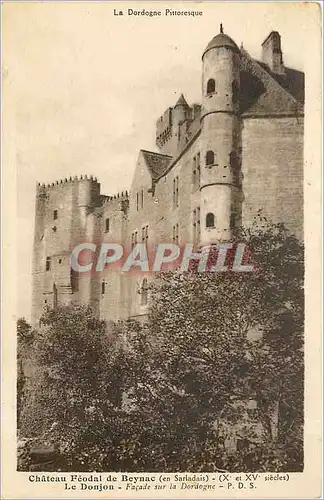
{"x":263,"y":92}
{"x":157,"y":163}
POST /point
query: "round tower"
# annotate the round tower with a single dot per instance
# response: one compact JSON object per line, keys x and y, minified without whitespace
{"x":220,"y":140}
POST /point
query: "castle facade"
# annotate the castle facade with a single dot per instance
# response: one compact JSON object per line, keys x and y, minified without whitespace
{"x":218,"y":163}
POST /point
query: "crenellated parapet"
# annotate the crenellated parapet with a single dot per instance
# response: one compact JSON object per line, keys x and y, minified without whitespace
{"x":68,"y":180}
{"x":118,"y":201}
{"x":121,"y":195}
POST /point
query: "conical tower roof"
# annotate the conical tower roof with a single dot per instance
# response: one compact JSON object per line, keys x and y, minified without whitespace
{"x":181,"y":101}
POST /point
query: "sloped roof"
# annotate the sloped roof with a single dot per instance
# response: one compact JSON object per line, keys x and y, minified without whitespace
{"x":181,"y":101}
{"x":156,"y":163}
{"x":221,"y":40}
{"x":263,"y":92}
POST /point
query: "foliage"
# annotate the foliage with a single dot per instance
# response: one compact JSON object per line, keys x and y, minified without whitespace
{"x":24,"y":342}
{"x":168,"y":393}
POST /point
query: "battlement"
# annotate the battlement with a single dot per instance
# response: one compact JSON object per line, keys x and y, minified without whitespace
{"x":164,"y":128}
{"x":69,"y":180}
{"x":119,"y":196}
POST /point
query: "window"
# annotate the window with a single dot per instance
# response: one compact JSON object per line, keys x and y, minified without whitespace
{"x":48,"y":263}
{"x":144,"y":292}
{"x":74,"y":278}
{"x":196,"y":171}
{"x":103,"y":288}
{"x":137,"y":201}
{"x":134,"y":238}
{"x":55,"y":214}
{"x":142,"y":198}
{"x":235,"y":92}
{"x":210,"y":86}
{"x":55,"y":297}
{"x":107,"y":223}
{"x":210,"y":158}
{"x":60,"y":261}
{"x":196,"y":224}
{"x":176,"y":191}
{"x":144,"y":234}
{"x":175,"y":234}
{"x":210,"y":220}
{"x":198,"y":168}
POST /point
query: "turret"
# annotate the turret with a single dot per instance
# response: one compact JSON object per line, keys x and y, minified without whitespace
{"x":220,"y":139}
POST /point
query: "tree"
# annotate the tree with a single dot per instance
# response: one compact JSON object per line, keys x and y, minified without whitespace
{"x":75,"y":396}
{"x":171,"y":393}
{"x":24,"y":342}
{"x":199,"y":359}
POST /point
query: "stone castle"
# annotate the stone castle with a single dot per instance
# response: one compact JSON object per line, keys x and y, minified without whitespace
{"x":219,"y":163}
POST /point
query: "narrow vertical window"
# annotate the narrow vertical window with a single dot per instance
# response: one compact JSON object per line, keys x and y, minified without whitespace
{"x":198,"y":223}
{"x":48,"y":263}
{"x":55,"y":298}
{"x":55,"y":214}
{"x":210,"y":86}
{"x":175,"y":234}
{"x":177,"y":191}
{"x":137,"y":201}
{"x":194,"y":171}
{"x":74,"y":279}
{"x":198,"y":169}
{"x":107,"y":225}
{"x":144,"y":234}
{"x":103,"y":288}
{"x":210,"y":220}
{"x":210,"y":157}
{"x":142,"y":198}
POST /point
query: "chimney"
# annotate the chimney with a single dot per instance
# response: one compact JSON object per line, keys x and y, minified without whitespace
{"x":271,"y":53}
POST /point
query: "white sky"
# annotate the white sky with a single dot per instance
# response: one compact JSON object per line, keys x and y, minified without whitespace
{"x":84,"y":88}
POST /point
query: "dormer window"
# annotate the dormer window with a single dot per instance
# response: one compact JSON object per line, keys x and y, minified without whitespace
{"x":211,"y":86}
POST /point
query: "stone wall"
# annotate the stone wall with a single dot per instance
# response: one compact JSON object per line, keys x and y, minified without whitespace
{"x":272,"y":166}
